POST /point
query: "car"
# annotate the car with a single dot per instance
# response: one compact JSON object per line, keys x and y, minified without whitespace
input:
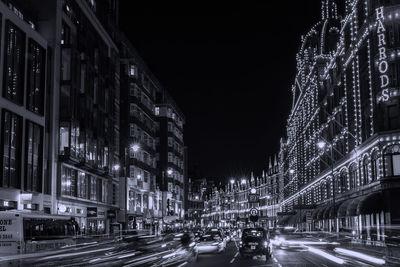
{"x":211,"y":242}
{"x":254,"y":242}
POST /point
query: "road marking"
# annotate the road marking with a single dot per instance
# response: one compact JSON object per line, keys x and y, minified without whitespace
{"x":183,"y":264}
{"x":234,"y":257}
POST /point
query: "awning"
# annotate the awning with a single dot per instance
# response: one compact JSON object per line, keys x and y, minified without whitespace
{"x":352,"y":207}
{"x":301,"y":216}
{"x":373,"y":203}
{"x":292,"y":219}
{"x":320,"y":215}
{"x":342,"y":209}
{"x":316,"y":211}
{"x":327,"y":212}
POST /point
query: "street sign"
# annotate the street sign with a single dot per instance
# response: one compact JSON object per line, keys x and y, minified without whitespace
{"x":253,"y":198}
{"x":253,"y":212}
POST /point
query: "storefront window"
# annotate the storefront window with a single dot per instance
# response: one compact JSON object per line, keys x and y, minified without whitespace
{"x":68,"y":181}
{"x":392,"y":161}
{"x":82,"y":185}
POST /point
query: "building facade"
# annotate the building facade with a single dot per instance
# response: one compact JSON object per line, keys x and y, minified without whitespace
{"x":138,"y":140}
{"x":170,"y":156}
{"x":230,"y":206}
{"x":339,"y":159}
{"x":25,"y":183}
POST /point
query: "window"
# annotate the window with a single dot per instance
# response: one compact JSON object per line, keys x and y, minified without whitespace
{"x":132,"y":109}
{"x":393,"y":117}
{"x":138,"y":200}
{"x":11,"y":149}
{"x":14,"y":60}
{"x":36,"y":77}
{"x":365,"y":171}
{"x":65,"y":34}
{"x":104,"y":191}
{"x":131,"y":200}
{"x":34,"y":157}
{"x":64,"y":138}
{"x":93,"y":191}
{"x":82,"y":185}
{"x":374,"y":166}
{"x":132,"y":71}
{"x":353,"y":176}
{"x":391,"y":161}
{"x":343,"y":181}
{"x":68,"y":181}
{"x":157,"y":111}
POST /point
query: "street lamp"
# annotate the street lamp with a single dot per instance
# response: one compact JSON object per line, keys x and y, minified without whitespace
{"x":321,"y":145}
{"x":135,"y":147}
{"x":243,"y":181}
{"x":291,"y":171}
{"x":169,"y":172}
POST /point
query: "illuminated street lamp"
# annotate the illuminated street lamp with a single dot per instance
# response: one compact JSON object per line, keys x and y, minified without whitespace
{"x":169,"y":172}
{"x":135,"y":147}
{"x":116,"y":167}
{"x":291,"y":171}
{"x":243,"y":181}
{"x":232,"y":181}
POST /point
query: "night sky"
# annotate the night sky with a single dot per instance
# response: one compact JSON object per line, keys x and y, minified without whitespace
{"x":229,"y":68}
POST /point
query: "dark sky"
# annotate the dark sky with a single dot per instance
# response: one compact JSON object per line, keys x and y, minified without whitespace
{"x":229,"y":68}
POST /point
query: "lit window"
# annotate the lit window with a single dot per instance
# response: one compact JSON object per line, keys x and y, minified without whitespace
{"x":157,"y":111}
{"x":132,"y":71}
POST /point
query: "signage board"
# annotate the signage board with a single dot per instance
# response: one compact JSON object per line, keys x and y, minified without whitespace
{"x":253,"y":198}
{"x":91,"y":211}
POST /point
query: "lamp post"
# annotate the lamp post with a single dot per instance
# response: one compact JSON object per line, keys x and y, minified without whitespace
{"x":321,"y":145}
{"x":135,"y":148}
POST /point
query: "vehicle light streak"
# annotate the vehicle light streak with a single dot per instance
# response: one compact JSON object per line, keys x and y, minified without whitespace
{"x":325,"y":255}
{"x":360,"y":256}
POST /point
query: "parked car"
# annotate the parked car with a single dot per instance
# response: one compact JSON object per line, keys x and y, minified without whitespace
{"x":255,"y":241}
{"x":211,"y":242}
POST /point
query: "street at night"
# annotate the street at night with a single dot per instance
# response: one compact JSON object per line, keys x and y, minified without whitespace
{"x":135,"y":133}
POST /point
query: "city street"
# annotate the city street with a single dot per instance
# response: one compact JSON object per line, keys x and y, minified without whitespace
{"x":298,"y":251}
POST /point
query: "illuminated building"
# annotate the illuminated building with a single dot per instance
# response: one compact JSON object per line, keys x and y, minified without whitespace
{"x":142,"y":203}
{"x":84,"y":103}
{"x":230,"y":206}
{"x":341,"y":157}
{"x":25,"y":183}
{"x":170,"y":156}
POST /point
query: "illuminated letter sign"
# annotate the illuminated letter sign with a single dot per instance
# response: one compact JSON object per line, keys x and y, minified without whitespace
{"x":382,"y":59}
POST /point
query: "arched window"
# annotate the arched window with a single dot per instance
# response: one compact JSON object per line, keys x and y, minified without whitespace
{"x":328,"y":189}
{"x":337,"y":185}
{"x":343,"y":181}
{"x":374,"y":166}
{"x":365,"y":171}
{"x":391,"y":161}
{"x":322,"y":190}
{"x":353,"y":176}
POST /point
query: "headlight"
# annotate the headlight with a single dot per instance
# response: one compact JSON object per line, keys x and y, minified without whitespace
{"x":240,"y":244}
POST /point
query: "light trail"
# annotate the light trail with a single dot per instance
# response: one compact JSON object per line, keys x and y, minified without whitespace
{"x":360,"y":256}
{"x":325,"y":255}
